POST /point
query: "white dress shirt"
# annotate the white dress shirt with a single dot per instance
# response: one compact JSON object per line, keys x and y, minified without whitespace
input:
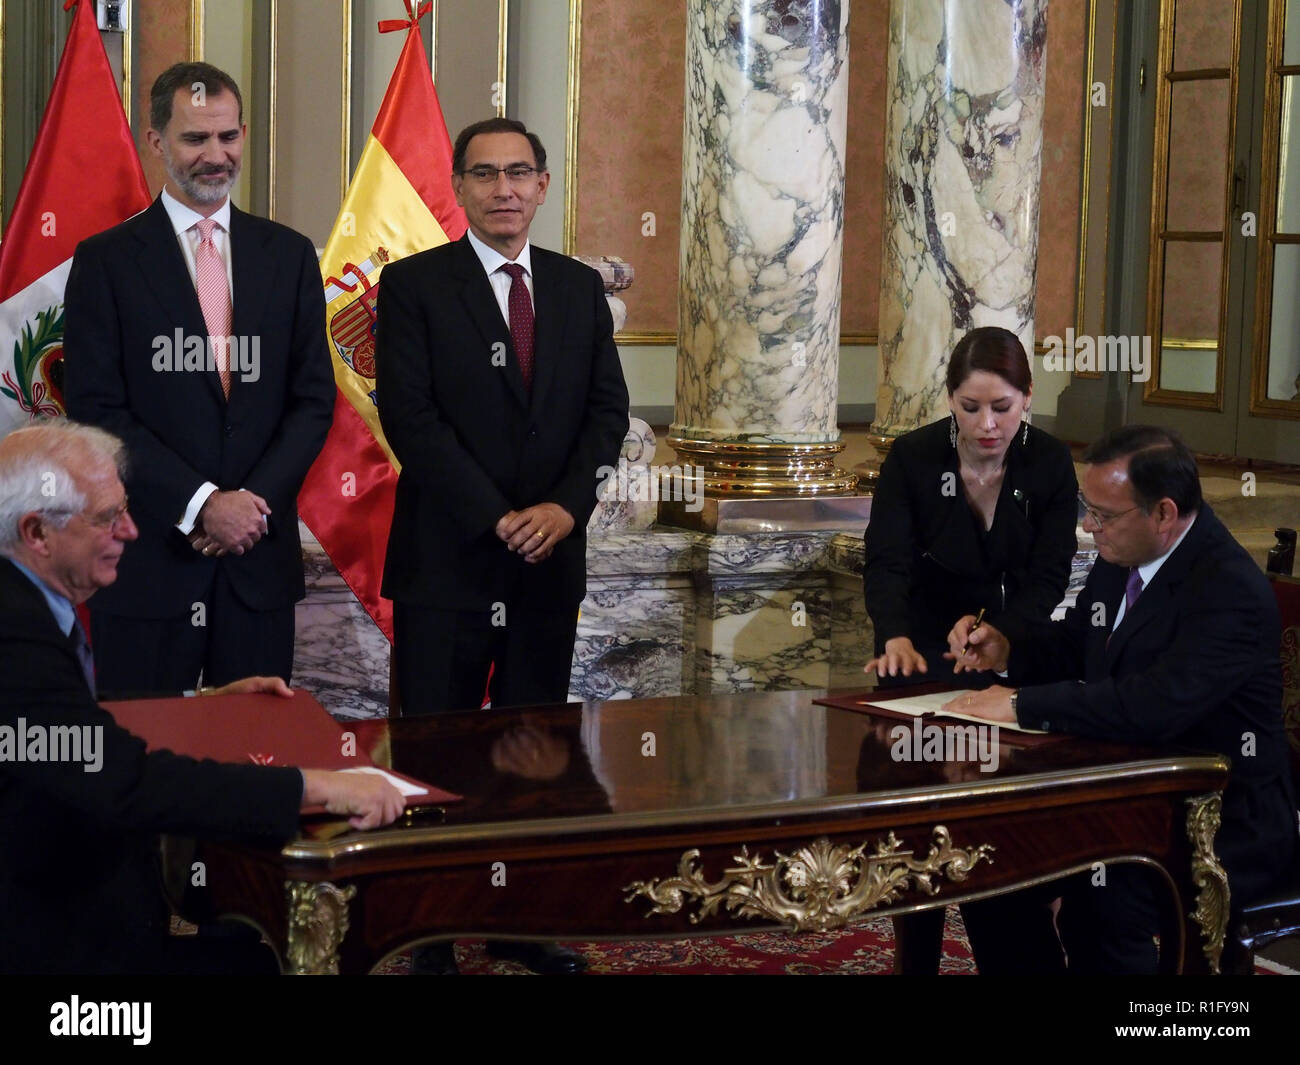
{"x":185,"y":223}
{"x":500,"y":281}
{"x":1148,"y":572}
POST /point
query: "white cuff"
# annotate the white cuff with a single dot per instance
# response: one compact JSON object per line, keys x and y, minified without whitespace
{"x":186,"y":524}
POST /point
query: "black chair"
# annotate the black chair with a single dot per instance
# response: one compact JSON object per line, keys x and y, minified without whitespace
{"x":1277,"y":916}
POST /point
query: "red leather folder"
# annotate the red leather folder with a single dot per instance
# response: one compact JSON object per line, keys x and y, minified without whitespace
{"x":258,"y":729}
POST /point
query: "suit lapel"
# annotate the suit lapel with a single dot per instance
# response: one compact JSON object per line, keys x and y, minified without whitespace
{"x":1157,"y":596}
{"x":163,"y":267}
{"x":481,"y":306}
{"x":1108,"y":590}
{"x":549,"y":309}
{"x":252,"y":277}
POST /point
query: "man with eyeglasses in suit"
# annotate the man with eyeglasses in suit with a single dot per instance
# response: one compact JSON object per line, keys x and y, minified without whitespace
{"x":501,"y":393}
{"x":1174,"y":639}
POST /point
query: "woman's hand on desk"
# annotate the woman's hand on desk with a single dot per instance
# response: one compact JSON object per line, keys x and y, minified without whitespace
{"x":370,"y":799}
{"x":973,"y":648}
{"x":899,"y":657}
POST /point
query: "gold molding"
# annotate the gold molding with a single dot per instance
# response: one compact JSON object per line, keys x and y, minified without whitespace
{"x":342,"y":849}
{"x":1260,"y":403}
{"x":1189,"y":343}
{"x":273,"y":46}
{"x":345,"y":146}
{"x":503,"y":43}
{"x":819,"y":887}
{"x":318,"y":921}
{"x":847,"y":340}
{"x":1152,"y":393}
{"x":1213,"y":898}
{"x":197,"y":36}
{"x":1088,"y":64}
{"x":667,"y":339}
{"x":571,"y":133}
{"x":755,"y":469}
{"x":126,"y":68}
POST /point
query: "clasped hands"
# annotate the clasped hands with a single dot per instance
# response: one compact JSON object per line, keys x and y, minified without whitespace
{"x":971,"y":649}
{"x":229,"y":523}
{"x":534,"y":531}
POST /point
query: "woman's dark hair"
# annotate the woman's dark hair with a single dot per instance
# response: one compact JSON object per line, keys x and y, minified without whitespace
{"x":994,"y":350}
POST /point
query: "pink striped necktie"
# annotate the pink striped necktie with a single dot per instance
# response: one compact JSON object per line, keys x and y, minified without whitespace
{"x":214,"y":297}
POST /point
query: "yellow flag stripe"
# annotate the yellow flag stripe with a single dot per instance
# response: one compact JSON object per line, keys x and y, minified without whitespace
{"x":382,"y":216}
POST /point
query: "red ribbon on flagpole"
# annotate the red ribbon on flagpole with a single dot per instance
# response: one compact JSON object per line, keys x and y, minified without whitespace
{"x":392,"y":25}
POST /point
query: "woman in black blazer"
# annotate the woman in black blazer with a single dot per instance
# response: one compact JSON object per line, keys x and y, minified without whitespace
{"x":974,"y":512}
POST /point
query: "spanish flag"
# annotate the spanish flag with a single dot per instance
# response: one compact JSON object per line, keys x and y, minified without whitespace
{"x":400,"y":201}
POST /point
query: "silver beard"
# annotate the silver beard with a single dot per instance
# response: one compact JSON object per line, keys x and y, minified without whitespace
{"x":195,"y":190}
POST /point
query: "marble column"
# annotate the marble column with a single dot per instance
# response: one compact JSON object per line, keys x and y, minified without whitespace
{"x":762,"y":223}
{"x":964,"y":142}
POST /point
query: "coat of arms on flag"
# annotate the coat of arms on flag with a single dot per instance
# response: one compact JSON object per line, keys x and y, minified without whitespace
{"x":399,"y":202}
{"x":352,"y":328}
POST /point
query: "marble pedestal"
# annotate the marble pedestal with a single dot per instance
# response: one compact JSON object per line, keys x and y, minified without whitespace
{"x":668,"y":612}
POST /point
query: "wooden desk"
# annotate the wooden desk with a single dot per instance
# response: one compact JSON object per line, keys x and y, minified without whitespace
{"x":664,"y":818}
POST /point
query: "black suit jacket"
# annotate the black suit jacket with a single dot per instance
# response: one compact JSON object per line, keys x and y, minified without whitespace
{"x":928,"y":561}
{"x":473,"y":444}
{"x":79,"y":890}
{"x":128,"y":293}
{"x":1194,"y":663}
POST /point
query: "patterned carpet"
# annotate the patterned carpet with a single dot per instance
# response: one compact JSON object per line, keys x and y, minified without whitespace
{"x":867,"y":948}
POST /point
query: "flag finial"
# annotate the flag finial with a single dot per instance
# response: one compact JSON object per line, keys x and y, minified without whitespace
{"x":411,"y":22}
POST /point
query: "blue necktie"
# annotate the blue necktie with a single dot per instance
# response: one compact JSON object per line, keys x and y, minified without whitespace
{"x":82,"y":647}
{"x":1132,"y":589}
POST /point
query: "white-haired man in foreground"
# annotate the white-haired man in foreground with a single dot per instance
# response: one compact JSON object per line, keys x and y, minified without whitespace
{"x":79,"y":891}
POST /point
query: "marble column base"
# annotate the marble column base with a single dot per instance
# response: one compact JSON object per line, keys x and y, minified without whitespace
{"x":770,"y":515}
{"x":668,"y":612}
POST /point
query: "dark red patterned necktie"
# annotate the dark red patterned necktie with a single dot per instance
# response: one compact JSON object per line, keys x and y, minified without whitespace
{"x":521,"y":321}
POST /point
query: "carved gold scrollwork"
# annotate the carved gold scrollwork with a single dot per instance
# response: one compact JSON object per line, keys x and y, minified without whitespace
{"x":1212,"y":897}
{"x":318,"y":921}
{"x":818,"y":887}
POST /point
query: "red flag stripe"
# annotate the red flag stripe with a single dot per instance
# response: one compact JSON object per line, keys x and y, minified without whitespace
{"x":353,"y":529}
{"x":83,"y":132}
{"x":411,"y":129}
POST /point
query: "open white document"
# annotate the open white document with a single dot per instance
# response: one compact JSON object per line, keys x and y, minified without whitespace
{"x":916,"y":705}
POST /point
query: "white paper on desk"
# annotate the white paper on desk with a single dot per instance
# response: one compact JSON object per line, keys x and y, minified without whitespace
{"x":404,"y":786}
{"x":916,"y":705}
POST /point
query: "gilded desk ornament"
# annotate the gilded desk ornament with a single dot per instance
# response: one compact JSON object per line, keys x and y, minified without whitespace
{"x":318,"y":921}
{"x":1212,"y":897}
{"x":817,"y":888}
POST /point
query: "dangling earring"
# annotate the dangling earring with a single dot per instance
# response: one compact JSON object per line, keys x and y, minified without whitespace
{"x":952,"y":430}
{"x":1024,"y":437}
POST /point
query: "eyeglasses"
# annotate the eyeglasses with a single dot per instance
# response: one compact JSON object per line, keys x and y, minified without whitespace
{"x":1100,"y":519}
{"x":108,"y":519}
{"x":516,"y":173}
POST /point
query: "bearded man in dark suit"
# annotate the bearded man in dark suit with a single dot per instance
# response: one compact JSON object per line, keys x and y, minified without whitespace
{"x":196,"y":333}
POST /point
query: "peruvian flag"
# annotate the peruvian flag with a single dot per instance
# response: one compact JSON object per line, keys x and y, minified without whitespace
{"x":83,"y":177}
{"x":400,"y":201}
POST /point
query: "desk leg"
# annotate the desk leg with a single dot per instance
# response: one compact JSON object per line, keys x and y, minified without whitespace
{"x":318,"y":921}
{"x":1212,"y":898}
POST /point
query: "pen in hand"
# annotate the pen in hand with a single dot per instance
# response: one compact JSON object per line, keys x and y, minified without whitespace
{"x":979,"y":619}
